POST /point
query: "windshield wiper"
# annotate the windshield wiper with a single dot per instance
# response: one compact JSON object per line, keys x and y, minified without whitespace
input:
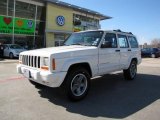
{"x":76,"y":44}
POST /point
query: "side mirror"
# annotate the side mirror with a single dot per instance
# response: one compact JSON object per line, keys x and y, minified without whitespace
{"x":106,"y":44}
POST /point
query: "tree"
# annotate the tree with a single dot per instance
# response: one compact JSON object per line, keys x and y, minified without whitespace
{"x":155,"y":43}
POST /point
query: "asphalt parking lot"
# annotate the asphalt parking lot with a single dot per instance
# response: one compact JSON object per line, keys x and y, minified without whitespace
{"x":110,"y":97}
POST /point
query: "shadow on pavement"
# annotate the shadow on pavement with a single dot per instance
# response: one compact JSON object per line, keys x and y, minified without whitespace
{"x":110,"y":96}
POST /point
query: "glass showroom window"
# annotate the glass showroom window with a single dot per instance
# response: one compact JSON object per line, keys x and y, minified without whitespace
{"x":25,"y":41}
{"x":6,"y":21}
{"x":3,"y":7}
{"x":35,"y":17}
{"x":86,"y":23}
{"x":59,"y":39}
{"x":10,"y":8}
{"x":41,"y":13}
{"x":5,"y":38}
{"x":25,"y":10}
{"x":40,"y":32}
{"x":40,"y":27}
{"x":7,"y":7}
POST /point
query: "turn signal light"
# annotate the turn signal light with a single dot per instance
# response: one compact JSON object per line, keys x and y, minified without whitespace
{"x":45,"y":68}
{"x":53,"y":64}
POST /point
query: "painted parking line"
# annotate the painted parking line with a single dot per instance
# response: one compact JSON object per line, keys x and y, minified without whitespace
{"x":12,"y":79}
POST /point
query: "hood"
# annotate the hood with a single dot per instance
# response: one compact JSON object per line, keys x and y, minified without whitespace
{"x":19,"y":50}
{"x":67,"y":51}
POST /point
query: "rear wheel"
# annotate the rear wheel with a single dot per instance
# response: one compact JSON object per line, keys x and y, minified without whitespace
{"x":131,"y":72}
{"x":77,"y":84}
{"x":11,"y":56}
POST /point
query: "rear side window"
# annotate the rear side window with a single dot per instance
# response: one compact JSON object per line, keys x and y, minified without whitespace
{"x":133,"y":42}
{"x":123,"y":43}
{"x":155,"y":49}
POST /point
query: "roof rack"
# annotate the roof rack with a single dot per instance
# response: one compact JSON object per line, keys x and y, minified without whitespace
{"x":118,"y":30}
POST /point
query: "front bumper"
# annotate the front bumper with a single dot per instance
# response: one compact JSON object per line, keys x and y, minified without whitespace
{"x":16,"y":54}
{"x":46,"y":78}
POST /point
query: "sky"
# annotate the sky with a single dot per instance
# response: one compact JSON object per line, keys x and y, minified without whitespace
{"x":141,"y":17}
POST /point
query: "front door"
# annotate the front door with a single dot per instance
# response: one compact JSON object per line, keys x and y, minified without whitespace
{"x":109,"y":54}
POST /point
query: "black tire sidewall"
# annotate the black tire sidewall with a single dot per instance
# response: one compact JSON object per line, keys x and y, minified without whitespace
{"x":127,"y":73}
{"x":133,"y":62}
{"x":69,"y":79}
{"x":11,"y":56}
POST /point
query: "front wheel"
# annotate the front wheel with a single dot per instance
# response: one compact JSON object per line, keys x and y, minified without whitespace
{"x":77,"y":84}
{"x":153,"y":56}
{"x":131,"y":72}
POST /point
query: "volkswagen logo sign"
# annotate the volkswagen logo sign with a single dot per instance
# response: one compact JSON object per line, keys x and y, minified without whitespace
{"x":30,"y":23}
{"x":60,"y":20}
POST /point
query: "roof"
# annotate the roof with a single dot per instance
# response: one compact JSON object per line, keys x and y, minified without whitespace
{"x":80,"y":9}
{"x":111,"y":31}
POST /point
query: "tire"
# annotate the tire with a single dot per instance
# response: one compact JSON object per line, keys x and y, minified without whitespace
{"x":153,"y":56}
{"x":77,"y":84}
{"x":131,"y":72}
{"x":11,"y":56}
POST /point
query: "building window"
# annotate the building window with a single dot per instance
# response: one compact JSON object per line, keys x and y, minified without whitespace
{"x":41,"y":13}
{"x":3,"y":7}
{"x":39,"y":41}
{"x":6,"y":7}
{"x":5,"y":39}
{"x":26,"y":42}
{"x":28,"y":22}
{"x":10,"y":8}
{"x":25,"y":10}
{"x":59,"y":39}
{"x":85,"y":23}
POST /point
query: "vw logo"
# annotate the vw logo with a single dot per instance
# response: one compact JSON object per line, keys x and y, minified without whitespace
{"x":30,"y":23}
{"x":60,"y":20}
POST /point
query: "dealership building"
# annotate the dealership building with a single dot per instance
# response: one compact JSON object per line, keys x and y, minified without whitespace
{"x":43,"y":23}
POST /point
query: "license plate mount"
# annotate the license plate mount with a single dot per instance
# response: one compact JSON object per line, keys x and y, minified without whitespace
{"x":27,"y":73}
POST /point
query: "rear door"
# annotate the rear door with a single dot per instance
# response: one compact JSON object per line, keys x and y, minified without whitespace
{"x":109,"y":54}
{"x":125,"y":51}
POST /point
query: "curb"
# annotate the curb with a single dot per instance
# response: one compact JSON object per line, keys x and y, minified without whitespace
{"x":8,"y":61}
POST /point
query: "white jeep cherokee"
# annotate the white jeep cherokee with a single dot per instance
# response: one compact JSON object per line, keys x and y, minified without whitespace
{"x":84,"y":55}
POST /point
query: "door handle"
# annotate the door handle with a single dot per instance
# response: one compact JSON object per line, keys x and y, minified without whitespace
{"x":117,"y":50}
{"x":129,"y":49}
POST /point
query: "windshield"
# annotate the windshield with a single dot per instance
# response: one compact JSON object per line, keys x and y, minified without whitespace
{"x":89,"y":38}
{"x":15,"y":47}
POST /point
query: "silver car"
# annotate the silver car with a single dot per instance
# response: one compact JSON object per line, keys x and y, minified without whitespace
{"x":12,"y":50}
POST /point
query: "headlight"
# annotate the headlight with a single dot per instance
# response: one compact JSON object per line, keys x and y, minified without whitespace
{"x":16,"y":51}
{"x":45,"y":61}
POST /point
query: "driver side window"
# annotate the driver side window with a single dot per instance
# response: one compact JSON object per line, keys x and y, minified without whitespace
{"x":5,"y":47}
{"x":110,"y":41}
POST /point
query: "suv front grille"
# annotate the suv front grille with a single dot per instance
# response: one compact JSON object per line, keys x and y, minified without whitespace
{"x":32,"y":61}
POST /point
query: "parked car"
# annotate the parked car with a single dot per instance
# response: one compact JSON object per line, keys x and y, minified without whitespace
{"x":150,"y":52}
{"x":12,"y":50}
{"x":84,"y":55}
